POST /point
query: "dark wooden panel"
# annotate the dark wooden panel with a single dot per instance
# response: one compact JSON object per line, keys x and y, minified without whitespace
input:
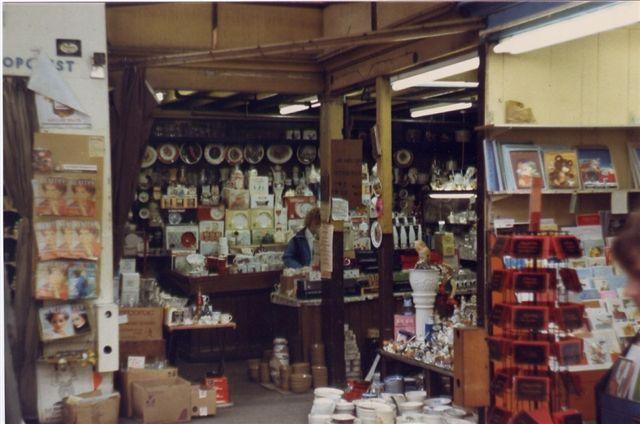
{"x":333,"y":315}
{"x":386,"y":301}
{"x":219,"y":284}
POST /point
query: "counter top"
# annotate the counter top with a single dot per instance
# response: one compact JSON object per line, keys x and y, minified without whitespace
{"x":214,"y":284}
{"x":279,"y":299}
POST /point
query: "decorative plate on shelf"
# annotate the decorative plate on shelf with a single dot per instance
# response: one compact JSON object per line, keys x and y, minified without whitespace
{"x":403,"y":158}
{"x":214,"y":153}
{"x":175,"y":218}
{"x":168,"y":153}
{"x":306,"y":154}
{"x":240,"y":221}
{"x":150,"y":157}
{"x":144,"y":213}
{"x":188,"y":239}
{"x":143,"y":197}
{"x":190,"y":153}
{"x":234,"y":155}
{"x":253,"y":153}
{"x":217,"y":213}
{"x":376,"y":234}
{"x":303,"y":208}
{"x":279,"y":153}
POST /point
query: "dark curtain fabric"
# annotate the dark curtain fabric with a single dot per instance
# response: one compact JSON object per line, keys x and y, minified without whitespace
{"x":20,"y":120}
{"x":131,"y":107}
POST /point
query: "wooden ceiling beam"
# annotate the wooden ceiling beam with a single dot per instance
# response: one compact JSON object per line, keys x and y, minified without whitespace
{"x":436,"y":29}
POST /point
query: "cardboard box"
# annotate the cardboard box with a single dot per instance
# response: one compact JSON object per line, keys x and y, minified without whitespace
{"x":128,"y":377}
{"x":203,"y":401}
{"x":151,"y":349}
{"x":92,"y":408}
{"x":54,"y":384}
{"x":141,"y":324}
{"x":167,"y":400}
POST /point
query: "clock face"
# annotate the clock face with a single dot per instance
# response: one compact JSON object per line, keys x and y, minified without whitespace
{"x":190,"y":153}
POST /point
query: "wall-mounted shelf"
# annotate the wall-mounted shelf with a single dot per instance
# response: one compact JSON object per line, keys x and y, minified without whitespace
{"x":230,"y":141}
{"x":491,"y":127}
{"x":496,"y":194}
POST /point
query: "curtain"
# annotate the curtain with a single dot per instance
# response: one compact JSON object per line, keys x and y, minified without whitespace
{"x":131,"y":108}
{"x":19,"y":120}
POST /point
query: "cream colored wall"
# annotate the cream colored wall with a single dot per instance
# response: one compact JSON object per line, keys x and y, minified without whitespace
{"x":593,"y":81}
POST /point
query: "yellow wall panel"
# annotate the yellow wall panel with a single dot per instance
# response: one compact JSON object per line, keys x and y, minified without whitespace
{"x":591,"y":81}
{"x":341,"y":19}
{"x":244,"y":25}
{"x":186,"y":26}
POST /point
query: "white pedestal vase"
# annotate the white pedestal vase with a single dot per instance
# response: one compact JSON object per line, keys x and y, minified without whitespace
{"x":424,"y":283}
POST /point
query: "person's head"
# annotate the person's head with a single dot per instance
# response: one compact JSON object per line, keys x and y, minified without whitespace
{"x":56,"y":275}
{"x":312,"y":220}
{"x":79,"y":320}
{"x":83,"y":191}
{"x":58,"y":320}
{"x":626,"y":252}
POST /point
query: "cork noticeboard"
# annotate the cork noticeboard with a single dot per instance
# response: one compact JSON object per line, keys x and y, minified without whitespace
{"x":346,"y":172}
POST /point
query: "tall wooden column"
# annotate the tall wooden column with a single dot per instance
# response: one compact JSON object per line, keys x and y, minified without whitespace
{"x":385,"y":253}
{"x":331,"y":123}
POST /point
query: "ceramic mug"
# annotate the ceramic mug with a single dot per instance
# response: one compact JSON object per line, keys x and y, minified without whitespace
{"x":226,"y":318}
{"x":216,"y":316}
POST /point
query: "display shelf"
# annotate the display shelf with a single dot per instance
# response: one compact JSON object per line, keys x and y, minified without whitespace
{"x":213,"y":284}
{"x":490,"y":127}
{"x":414,"y":363}
{"x":172,"y":328}
{"x":563,"y":192}
{"x":229,"y":141}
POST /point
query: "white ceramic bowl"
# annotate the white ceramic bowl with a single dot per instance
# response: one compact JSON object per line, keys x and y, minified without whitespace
{"x":408,"y":407}
{"x":319,"y":419}
{"x":328,"y":392}
{"x":437,"y":401}
{"x":343,"y":418}
{"x":416,"y":396}
{"x":323,"y":406}
{"x":436,"y":410}
{"x":345,"y":407}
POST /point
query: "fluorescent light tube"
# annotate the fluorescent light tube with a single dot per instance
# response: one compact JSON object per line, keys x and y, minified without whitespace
{"x":592,"y":22}
{"x":445,"y":195}
{"x":449,"y":84}
{"x":436,"y":72}
{"x":288,"y":109}
{"x":439,"y":108}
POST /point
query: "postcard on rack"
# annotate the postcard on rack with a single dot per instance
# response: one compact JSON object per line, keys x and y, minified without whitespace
{"x":67,"y":239}
{"x":55,"y":322}
{"x":51,"y":280}
{"x":82,"y":201}
{"x":596,"y":168}
{"x":81,"y":278}
{"x":561,"y":168}
{"x":47,"y":240}
{"x":50,"y":196}
{"x":88,"y":244}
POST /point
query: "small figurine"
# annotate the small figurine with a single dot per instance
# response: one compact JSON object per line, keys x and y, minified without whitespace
{"x":423,"y":254}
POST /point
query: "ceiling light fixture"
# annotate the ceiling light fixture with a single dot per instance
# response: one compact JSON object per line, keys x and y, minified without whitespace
{"x":302,"y":104}
{"x":449,"y":84}
{"x":439,"y":108}
{"x":606,"y":18}
{"x":445,"y":195}
{"x":438,"y":71}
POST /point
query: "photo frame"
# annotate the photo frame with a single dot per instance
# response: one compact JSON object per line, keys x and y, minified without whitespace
{"x":561,"y":168}
{"x":63,"y":321}
{"x":522,"y":163}
{"x":597,"y":169}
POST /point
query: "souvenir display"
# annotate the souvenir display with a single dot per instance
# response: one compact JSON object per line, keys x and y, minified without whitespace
{"x":63,"y":321}
{"x":190,"y":153}
{"x":149,"y":158}
{"x":168,"y":153}
{"x":214,"y":153}
{"x":253,"y":153}
{"x":279,"y":153}
{"x":306,"y":154}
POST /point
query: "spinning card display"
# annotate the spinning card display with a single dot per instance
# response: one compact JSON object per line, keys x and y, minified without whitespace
{"x":530,"y":353}
{"x":499,"y":314}
{"x":499,"y":279}
{"x":58,"y":196}
{"x":532,"y":388}
{"x":569,"y":351}
{"x":529,"y":246}
{"x":66,"y":280}
{"x":499,"y":348}
{"x":536,"y":282}
{"x":501,"y":246}
{"x":566,"y":246}
{"x":499,"y":384}
{"x":529,"y":317}
{"x":63,"y":321}
{"x":570,"y":279}
{"x":569,"y":316}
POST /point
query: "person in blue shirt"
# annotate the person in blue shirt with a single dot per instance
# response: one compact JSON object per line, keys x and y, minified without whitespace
{"x":299,"y":251}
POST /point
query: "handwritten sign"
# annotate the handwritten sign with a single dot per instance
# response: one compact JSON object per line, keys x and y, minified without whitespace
{"x":346,"y":174}
{"x":326,"y":250}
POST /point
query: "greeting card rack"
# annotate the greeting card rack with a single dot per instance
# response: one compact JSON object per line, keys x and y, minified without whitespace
{"x":531,"y":342}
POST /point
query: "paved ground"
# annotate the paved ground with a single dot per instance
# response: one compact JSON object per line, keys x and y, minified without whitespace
{"x":253,"y":404}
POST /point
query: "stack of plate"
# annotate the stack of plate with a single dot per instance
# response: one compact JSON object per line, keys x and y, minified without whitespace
{"x":328,"y":393}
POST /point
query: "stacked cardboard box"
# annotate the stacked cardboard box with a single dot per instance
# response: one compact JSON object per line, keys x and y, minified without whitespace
{"x":351,"y":354}
{"x":141,"y":334}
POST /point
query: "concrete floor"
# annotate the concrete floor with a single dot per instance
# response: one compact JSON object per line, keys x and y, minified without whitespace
{"x":253,"y":404}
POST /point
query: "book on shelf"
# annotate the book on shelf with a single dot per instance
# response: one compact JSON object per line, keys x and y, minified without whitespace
{"x":491,"y":166}
{"x":521,"y":164}
{"x":561,"y":167}
{"x":596,"y":167}
{"x":634,"y":162}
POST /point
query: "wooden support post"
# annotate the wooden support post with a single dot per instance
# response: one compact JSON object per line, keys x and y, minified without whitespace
{"x":385,"y":253}
{"x":331,"y":123}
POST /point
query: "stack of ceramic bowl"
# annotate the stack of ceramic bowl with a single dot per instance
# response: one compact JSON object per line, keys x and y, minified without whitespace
{"x":375,"y":412}
{"x":300,"y":383}
{"x":328,"y":393}
{"x":424,"y":283}
{"x":323,"y":406}
{"x":343,"y":419}
{"x":319,"y":419}
{"x":317,"y":354}
{"x":416,"y":396}
{"x":320,"y":375}
{"x":253,"y":369}
{"x":345,"y":407}
{"x":437,"y":406}
{"x":410,"y":407}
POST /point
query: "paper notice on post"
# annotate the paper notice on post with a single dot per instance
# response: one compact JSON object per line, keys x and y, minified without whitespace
{"x":619,"y":202}
{"x":339,"y":209}
{"x":326,"y":250}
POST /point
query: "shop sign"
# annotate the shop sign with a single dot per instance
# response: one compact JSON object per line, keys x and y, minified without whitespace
{"x":21,"y":63}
